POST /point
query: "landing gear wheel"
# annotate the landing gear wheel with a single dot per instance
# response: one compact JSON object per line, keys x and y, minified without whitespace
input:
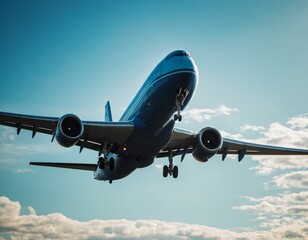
{"x":175,"y":172}
{"x":165,"y":171}
{"x":171,"y":170}
{"x":111,"y":164}
{"x":177,"y":117}
{"x":101,"y":163}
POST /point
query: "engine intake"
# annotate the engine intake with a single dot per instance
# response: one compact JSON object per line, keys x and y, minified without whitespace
{"x":69,"y":130}
{"x":209,"y":143}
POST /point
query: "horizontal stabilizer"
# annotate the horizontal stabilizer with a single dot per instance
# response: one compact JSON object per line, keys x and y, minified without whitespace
{"x":79,"y":166}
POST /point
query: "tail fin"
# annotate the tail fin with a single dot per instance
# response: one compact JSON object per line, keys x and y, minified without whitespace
{"x":108,"y":116}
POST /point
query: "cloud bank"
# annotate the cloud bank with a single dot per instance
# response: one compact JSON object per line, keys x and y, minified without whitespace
{"x":296,"y":179}
{"x":286,"y":212}
{"x":13,"y":225}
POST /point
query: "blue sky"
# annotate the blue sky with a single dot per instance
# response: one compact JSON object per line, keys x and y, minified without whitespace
{"x":61,"y":57}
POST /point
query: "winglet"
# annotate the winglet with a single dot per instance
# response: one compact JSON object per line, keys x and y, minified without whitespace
{"x":108,"y":116}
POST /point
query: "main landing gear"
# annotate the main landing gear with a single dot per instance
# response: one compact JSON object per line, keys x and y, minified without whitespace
{"x":179,"y":101}
{"x":171,"y":170}
{"x":105,"y":163}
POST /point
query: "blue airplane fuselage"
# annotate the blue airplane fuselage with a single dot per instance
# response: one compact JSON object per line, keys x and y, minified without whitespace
{"x":152,"y":112}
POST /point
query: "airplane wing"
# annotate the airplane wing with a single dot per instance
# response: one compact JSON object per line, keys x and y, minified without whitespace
{"x":95,"y":133}
{"x":183,"y":142}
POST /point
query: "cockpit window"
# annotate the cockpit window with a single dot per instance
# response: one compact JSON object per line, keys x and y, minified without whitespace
{"x":178,"y":54}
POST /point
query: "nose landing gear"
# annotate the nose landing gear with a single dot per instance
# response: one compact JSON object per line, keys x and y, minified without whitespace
{"x":171,"y":170}
{"x":179,"y":101}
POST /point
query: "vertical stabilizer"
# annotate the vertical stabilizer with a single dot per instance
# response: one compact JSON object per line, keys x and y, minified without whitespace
{"x":108,"y":116}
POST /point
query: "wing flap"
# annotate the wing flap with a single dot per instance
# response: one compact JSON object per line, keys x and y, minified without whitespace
{"x":79,"y":166}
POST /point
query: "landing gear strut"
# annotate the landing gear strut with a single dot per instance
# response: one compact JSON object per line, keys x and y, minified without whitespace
{"x":179,"y":101}
{"x":171,"y":170}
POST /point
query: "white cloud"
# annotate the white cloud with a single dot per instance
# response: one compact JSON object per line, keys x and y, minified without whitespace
{"x":277,"y":209}
{"x":203,"y":114}
{"x":22,"y":170}
{"x":300,"y":198}
{"x":252,"y":128}
{"x":285,"y":213}
{"x":299,"y":122}
{"x":297,"y":179}
{"x":159,"y":166}
{"x":7,"y":134}
{"x":268,"y":164}
{"x":58,"y":226}
{"x":13,"y":149}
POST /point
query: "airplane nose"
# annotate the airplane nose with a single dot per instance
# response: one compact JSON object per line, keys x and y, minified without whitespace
{"x":190,"y":63}
{"x":176,"y":61}
{"x":180,"y":53}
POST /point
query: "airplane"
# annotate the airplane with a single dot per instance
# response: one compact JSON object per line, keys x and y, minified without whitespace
{"x":145,"y":131}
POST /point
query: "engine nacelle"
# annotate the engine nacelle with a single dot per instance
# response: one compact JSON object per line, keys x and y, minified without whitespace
{"x":69,"y":130}
{"x":209,"y":143}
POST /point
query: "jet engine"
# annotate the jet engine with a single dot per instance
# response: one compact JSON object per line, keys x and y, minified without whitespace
{"x":69,"y":130}
{"x":209,"y":143}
